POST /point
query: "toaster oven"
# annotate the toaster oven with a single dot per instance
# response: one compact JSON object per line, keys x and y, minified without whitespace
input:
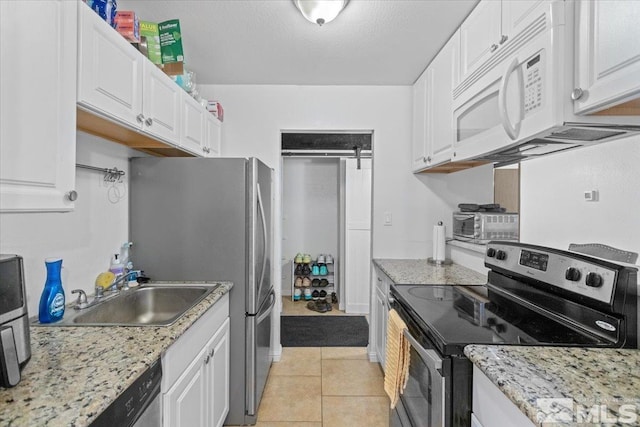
{"x":482,"y":227}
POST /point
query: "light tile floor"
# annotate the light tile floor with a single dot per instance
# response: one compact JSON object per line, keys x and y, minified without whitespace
{"x":324,"y":387}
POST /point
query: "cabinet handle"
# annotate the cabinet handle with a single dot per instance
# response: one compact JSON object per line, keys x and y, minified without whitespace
{"x":424,"y":159}
{"x":504,"y":38}
{"x":149,"y":121}
{"x":211,"y":352}
{"x":577,"y":93}
{"x":493,"y":47}
{"x":140,"y":118}
{"x":72,"y":195}
{"x":206,"y":359}
{"x":429,"y":159}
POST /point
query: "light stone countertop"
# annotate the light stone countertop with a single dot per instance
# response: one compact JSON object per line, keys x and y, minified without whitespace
{"x":421,"y":272}
{"x":75,"y":373}
{"x":588,"y":376}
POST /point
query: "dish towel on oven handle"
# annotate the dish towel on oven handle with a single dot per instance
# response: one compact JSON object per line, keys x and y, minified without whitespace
{"x":396,"y":369}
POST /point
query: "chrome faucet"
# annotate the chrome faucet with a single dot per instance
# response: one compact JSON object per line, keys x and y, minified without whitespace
{"x":121,"y":283}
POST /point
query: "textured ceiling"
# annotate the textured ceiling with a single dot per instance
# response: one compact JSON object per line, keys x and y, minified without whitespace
{"x":372,"y":42}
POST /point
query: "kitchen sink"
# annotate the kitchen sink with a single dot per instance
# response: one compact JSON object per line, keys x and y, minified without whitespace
{"x":148,"y":305}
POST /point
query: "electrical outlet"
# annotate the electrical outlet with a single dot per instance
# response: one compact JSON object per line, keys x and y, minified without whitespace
{"x":591,"y":195}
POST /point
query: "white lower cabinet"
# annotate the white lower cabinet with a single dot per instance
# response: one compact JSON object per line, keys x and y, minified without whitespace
{"x":195,"y":382}
{"x":381,"y":316}
{"x":491,"y":408}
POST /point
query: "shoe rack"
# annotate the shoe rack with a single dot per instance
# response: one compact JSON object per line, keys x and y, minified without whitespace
{"x":302,"y":274}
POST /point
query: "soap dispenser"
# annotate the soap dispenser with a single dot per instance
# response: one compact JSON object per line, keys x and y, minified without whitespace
{"x":52,"y":300}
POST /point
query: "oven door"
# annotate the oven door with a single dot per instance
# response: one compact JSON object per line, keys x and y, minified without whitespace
{"x":424,"y":400}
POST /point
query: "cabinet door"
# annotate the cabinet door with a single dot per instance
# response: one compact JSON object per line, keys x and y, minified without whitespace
{"x":161,"y":104}
{"x":185,"y":404}
{"x":213,"y":135}
{"x":517,"y":15}
{"x":218,"y":400}
{"x":608,"y":63}
{"x":419,"y":147}
{"x":442,"y":73}
{"x":381,"y":327}
{"x":479,"y":36}
{"x":193,"y":127}
{"x":37,"y":106}
{"x":109,"y":71}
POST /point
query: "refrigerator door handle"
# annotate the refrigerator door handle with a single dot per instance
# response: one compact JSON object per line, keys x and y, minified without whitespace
{"x":272,"y":298}
{"x":264,"y":236}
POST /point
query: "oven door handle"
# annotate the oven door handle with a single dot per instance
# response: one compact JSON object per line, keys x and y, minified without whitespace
{"x":426,"y":354}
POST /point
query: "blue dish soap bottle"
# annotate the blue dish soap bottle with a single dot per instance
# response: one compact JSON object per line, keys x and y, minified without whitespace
{"x":52,"y":299}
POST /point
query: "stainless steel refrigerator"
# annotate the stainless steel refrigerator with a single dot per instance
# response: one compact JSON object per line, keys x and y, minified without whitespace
{"x":210,"y":219}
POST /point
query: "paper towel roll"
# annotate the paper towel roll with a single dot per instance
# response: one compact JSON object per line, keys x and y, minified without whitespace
{"x":438,"y":242}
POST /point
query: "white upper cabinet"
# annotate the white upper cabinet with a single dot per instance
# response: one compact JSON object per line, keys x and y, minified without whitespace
{"x":442,"y":75}
{"x":161,"y":104}
{"x":608,"y":54}
{"x":109,"y":71}
{"x":192,"y":136}
{"x":37,"y":110}
{"x":490,"y":26}
{"x":419,"y":130}
{"x":213,"y":136}
{"x":479,"y":36}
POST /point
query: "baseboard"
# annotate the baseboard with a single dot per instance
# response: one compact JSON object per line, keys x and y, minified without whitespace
{"x":276,"y":353}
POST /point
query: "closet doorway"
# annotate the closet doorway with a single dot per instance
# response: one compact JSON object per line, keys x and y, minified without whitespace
{"x":326,"y":223}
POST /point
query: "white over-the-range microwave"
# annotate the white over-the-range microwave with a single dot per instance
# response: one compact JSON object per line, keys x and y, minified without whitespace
{"x":518,"y":105}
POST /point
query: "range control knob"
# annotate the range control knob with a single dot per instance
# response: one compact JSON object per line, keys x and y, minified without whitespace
{"x":594,"y":280}
{"x":491,"y":252}
{"x":501,"y":255}
{"x":572,"y":274}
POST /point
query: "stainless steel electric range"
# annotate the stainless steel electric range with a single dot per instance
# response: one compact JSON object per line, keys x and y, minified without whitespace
{"x":534,"y":296}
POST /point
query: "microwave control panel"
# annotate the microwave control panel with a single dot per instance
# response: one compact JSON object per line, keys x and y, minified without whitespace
{"x":533,"y":77}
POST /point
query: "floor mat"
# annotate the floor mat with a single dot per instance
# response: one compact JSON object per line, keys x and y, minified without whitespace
{"x":324,"y":331}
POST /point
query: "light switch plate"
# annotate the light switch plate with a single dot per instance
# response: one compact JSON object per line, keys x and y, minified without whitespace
{"x":388,"y":220}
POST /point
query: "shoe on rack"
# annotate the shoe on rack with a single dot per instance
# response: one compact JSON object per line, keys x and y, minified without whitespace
{"x":327,"y":304}
{"x":334,"y":298}
{"x":315,"y":294}
{"x":315,"y":282}
{"x":306,"y":258}
{"x":298,"y":258}
{"x":306,"y":270}
{"x":328,"y":259}
{"x":323,"y":270}
{"x":298,"y":270}
{"x":321,"y":259}
{"x":296,"y":294}
{"x":307,"y":294}
{"x":298,"y":282}
{"x":322,"y":294}
{"x":306,"y":282}
{"x":315,"y":270}
{"x":324,"y":283}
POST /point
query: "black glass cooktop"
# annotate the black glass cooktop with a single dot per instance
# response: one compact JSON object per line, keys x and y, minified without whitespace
{"x":454,"y":316}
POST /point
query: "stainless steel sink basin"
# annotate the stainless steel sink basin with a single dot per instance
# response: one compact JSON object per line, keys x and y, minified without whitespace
{"x":150,"y":305}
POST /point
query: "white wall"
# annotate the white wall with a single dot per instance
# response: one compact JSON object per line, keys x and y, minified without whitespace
{"x":310,"y":213}
{"x":554,"y":212}
{"x":85,"y":238}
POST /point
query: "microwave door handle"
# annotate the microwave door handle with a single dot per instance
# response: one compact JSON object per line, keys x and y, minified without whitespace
{"x":512,"y":131}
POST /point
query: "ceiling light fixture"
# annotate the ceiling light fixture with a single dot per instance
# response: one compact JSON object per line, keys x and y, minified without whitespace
{"x":320,"y":11}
